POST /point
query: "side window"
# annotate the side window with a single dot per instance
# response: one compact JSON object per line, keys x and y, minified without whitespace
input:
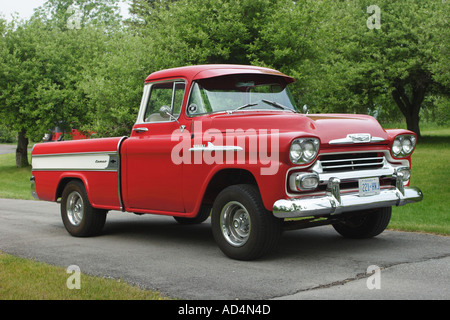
{"x":168,"y":94}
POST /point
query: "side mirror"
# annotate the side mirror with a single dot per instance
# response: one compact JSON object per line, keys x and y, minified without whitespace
{"x":164,"y":112}
{"x":47,"y":137}
{"x":305,"y":109}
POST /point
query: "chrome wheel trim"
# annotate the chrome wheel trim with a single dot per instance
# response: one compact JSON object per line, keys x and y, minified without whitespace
{"x":75,"y":208}
{"x":235,"y":223}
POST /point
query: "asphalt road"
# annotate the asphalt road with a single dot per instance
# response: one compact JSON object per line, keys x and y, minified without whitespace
{"x":7,"y":148}
{"x":11,"y":148}
{"x":184,"y":261}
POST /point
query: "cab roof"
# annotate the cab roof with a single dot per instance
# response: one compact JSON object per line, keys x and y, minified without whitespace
{"x":191,"y":73}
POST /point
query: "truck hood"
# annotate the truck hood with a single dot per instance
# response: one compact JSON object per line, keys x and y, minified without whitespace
{"x":334,"y":128}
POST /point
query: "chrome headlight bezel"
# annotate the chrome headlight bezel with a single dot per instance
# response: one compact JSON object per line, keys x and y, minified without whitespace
{"x":403,"y":145}
{"x":303,"y":150}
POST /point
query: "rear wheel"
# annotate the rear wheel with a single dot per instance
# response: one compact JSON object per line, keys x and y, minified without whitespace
{"x":79,"y":217}
{"x":242,"y":227}
{"x":365,"y":225}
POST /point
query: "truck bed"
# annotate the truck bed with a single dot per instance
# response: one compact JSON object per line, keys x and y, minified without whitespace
{"x":95,"y":162}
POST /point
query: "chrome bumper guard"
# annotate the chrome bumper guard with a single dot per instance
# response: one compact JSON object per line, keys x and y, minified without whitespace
{"x":33,"y":188}
{"x":333,"y":202}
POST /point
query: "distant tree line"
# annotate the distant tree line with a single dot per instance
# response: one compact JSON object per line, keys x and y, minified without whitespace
{"x":78,"y":63}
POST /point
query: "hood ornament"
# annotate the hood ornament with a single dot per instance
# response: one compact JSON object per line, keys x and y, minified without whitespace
{"x":357,"y":138}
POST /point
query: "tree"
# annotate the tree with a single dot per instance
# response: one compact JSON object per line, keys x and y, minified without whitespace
{"x":143,"y":9}
{"x":38,"y":80}
{"x":114,"y":86}
{"x":401,"y":61}
{"x":286,"y":40}
{"x":42,"y":63}
{"x":207,"y":31}
{"x":77,"y":14}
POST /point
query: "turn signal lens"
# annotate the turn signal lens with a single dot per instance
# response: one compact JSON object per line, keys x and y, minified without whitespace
{"x":309,"y":183}
{"x":405,"y":173}
{"x":303,"y":181}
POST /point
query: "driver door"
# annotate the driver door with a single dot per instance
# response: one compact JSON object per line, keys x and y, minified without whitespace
{"x":153,"y":181}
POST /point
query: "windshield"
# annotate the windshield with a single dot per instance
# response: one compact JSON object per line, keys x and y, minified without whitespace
{"x":239,"y":92}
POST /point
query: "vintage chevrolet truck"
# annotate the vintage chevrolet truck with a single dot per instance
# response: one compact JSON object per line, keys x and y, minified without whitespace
{"x":227,"y":141}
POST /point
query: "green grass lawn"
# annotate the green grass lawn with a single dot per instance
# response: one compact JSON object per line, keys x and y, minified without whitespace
{"x":22,"y":279}
{"x":14,"y":182}
{"x":431,"y":173}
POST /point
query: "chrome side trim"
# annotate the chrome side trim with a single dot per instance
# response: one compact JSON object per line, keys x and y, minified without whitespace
{"x":82,"y":161}
{"x":71,"y":154}
{"x":33,"y":188}
{"x":119,"y":174}
{"x":212,"y":147}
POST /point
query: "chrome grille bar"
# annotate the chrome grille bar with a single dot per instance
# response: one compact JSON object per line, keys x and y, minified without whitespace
{"x":352,"y":163}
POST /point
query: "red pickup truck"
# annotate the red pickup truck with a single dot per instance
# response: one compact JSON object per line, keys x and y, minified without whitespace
{"x":227,"y":141}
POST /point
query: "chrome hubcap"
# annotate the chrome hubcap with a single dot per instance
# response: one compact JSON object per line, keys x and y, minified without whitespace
{"x":75,"y":208}
{"x":235,"y":223}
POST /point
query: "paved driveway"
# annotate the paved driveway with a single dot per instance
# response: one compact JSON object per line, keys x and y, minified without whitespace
{"x":184,"y":261}
{"x":7,"y":148}
{"x":11,"y":148}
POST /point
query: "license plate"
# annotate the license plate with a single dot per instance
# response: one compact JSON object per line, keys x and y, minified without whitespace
{"x":369,"y":187}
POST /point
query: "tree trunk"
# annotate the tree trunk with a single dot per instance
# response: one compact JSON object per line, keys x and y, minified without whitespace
{"x":22,"y":150}
{"x":410,"y":109}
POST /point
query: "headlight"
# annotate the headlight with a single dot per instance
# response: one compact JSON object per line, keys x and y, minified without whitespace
{"x":303,"y":150}
{"x":403,"y":145}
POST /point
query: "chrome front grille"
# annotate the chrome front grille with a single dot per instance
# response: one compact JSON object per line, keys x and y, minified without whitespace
{"x":351,"y":162}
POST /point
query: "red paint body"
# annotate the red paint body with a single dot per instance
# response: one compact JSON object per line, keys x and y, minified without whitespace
{"x":150,"y":182}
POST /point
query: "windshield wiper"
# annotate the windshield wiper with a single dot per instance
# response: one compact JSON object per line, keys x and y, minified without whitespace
{"x":242,"y":107}
{"x":277,"y":105}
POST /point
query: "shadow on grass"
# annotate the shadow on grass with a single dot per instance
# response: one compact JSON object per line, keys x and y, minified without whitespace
{"x":434,"y":140}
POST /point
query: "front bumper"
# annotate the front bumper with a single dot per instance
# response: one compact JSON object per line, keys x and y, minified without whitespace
{"x":333,"y":202}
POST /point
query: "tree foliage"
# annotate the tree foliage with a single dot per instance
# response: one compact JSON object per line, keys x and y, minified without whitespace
{"x":395,"y":64}
{"x":85,"y":66}
{"x":77,"y":14}
{"x":42,"y":64}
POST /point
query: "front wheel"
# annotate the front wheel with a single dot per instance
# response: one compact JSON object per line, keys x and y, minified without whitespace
{"x":79,"y":217}
{"x":241,"y":225}
{"x":365,"y":225}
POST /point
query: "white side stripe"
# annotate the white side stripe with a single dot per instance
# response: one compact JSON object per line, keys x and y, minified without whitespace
{"x":81,"y":161}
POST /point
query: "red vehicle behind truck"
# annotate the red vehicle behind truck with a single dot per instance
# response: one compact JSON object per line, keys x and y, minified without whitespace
{"x":227,"y":141}
{"x":57,"y":134}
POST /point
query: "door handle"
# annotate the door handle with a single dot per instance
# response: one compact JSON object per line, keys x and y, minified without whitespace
{"x":141,"y":129}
